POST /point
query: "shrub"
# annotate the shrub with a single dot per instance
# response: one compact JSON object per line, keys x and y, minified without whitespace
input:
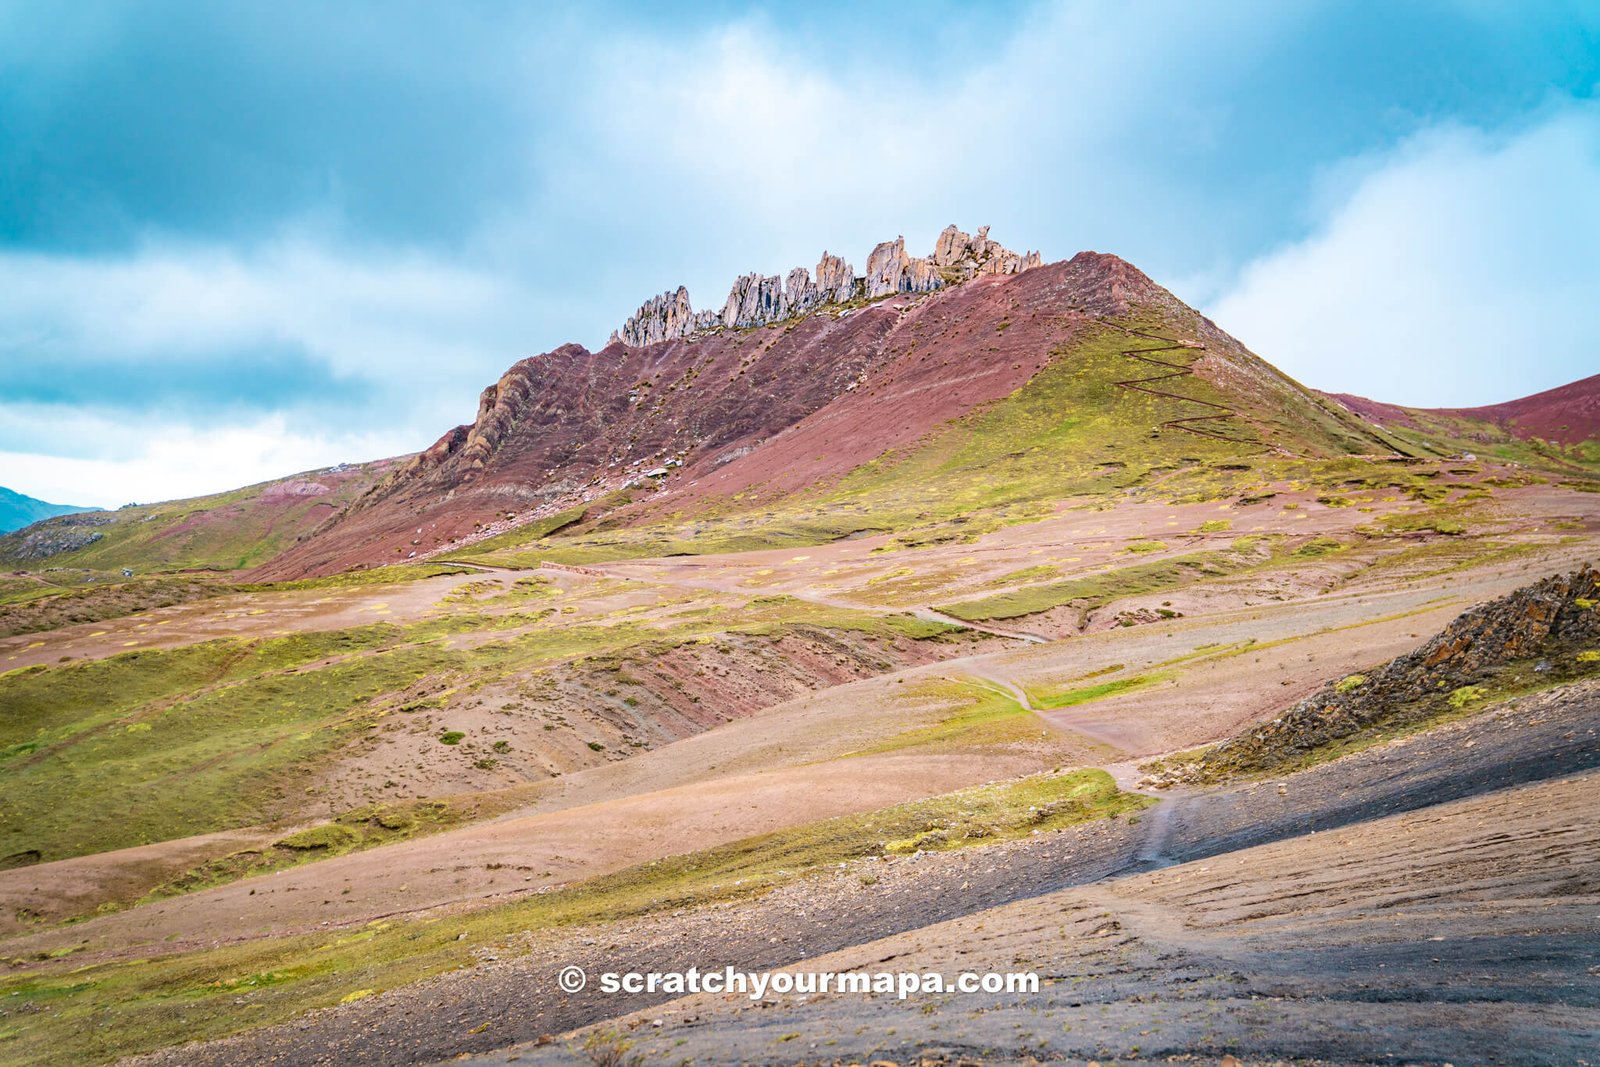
{"x":451,"y":737}
{"x":1317,"y":546}
{"x":1349,"y":683}
{"x":328,"y":835}
{"x":394,"y":819}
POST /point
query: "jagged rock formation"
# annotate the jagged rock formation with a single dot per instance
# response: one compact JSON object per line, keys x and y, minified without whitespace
{"x":836,"y":280}
{"x":890,"y":270}
{"x":1554,"y":621}
{"x":967,"y":256}
{"x":756,"y":299}
{"x":661,"y":318}
{"x":759,"y":299}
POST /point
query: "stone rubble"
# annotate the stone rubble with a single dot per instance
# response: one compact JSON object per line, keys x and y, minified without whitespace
{"x":757,"y":299}
{"x":1557,"y":618}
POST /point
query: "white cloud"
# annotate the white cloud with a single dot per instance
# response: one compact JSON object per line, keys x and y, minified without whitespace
{"x":382,"y":312}
{"x":1462,"y":269}
{"x":419,"y":336}
{"x":1159,"y":131}
{"x":168,"y":461}
{"x":736,"y":150}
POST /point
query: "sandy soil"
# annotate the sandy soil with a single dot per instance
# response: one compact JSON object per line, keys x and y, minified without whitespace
{"x":277,"y":613}
{"x":1465,"y":933}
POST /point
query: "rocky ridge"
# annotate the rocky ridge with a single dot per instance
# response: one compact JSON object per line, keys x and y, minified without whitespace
{"x":757,"y":299}
{"x":1555,"y":622}
{"x":53,"y":536}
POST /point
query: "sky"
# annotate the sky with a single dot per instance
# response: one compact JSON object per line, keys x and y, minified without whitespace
{"x":243,"y":240}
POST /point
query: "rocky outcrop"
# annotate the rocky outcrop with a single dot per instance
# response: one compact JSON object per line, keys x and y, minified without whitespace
{"x":836,"y":280}
{"x":1553,"y":624}
{"x":661,"y":318}
{"x":755,"y":299}
{"x":52,"y":537}
{"x":967,"y":256}
{"x":890,"y":270}
{"x":759,"y":299}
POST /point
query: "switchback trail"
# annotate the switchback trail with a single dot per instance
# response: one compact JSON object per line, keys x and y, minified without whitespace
{"x":1176,"y":370}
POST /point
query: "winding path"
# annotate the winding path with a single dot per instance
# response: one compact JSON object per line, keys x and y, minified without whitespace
{"x":1176,"y":370}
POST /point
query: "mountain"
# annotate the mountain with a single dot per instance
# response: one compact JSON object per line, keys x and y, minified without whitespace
{"x":17,"y":510}
{"x":1016,"y":380}
{"x":1557,"y":429}
{"x":1568,"y":414}
{"x":930,"y":397}
{"x":224,"y":531}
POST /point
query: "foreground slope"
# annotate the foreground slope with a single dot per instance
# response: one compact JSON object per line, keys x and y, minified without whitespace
{"x":1390,"y":854}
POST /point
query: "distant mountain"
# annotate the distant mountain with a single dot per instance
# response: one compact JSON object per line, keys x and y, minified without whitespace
{"x":1567,"y":415}
{"x":930,"y":397}
{"x":17,"y":511}
{"x":226,"y":531}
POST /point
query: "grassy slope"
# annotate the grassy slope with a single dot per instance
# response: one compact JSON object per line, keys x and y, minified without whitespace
{"x":1435,"y":433}
{"x":30,"y":605}
{"x":219,"y":734}
{"x":225,"y":531}
{"x":1173,"y":572}
{"x":1071,"y":431}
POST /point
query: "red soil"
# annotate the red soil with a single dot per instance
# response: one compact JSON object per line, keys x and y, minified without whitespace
{"x":1568,"y":413}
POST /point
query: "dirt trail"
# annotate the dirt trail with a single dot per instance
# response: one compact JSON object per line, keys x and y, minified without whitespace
{"x":1177,"y":370}
{"x":934,"y":615}
{"x":804,"y":746}
{"x":1125,"y":772}
{"x":811,"y":596}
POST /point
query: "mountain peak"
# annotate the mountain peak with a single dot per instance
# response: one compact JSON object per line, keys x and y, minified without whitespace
{"x":757,"y":299}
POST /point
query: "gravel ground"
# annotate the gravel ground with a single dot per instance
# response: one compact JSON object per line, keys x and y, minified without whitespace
{"x":1537,"y":969}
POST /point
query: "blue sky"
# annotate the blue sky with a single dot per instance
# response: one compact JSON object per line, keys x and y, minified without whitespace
{"x":243,"y":239}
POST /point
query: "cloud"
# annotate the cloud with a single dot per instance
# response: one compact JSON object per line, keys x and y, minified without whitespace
{"x":160,"y":461}
{"x":285,"y":324}
{"x":738,"y":149}
{"x":182,"y":368}
{"x":341,"y":223}
{"x":1460,"y":269}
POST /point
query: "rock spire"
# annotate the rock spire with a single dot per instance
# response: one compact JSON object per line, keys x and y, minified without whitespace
{"x":757,"y":299}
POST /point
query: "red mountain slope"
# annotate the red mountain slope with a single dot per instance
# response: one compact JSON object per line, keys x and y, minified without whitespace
{"x":778,"y":408}
{"x":1568,"y":413}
